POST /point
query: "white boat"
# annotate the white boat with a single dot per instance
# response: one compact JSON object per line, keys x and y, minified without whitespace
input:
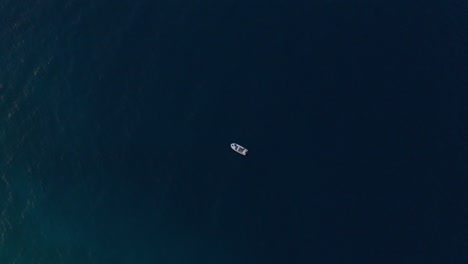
{"x":239,"y":149}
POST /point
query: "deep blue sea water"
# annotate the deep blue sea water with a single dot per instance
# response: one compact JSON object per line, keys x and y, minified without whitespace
{"x":116,"y":119}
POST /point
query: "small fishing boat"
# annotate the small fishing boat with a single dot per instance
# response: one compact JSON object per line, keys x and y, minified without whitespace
{"x":239,"y":149}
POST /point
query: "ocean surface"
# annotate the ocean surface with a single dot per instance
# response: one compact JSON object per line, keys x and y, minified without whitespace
{"x":116,"y":119}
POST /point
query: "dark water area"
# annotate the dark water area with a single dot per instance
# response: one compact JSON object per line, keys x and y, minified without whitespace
{"x":116,"y":120}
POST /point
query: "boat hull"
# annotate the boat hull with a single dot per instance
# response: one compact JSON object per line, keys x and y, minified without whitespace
{"x":239,"y":149}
